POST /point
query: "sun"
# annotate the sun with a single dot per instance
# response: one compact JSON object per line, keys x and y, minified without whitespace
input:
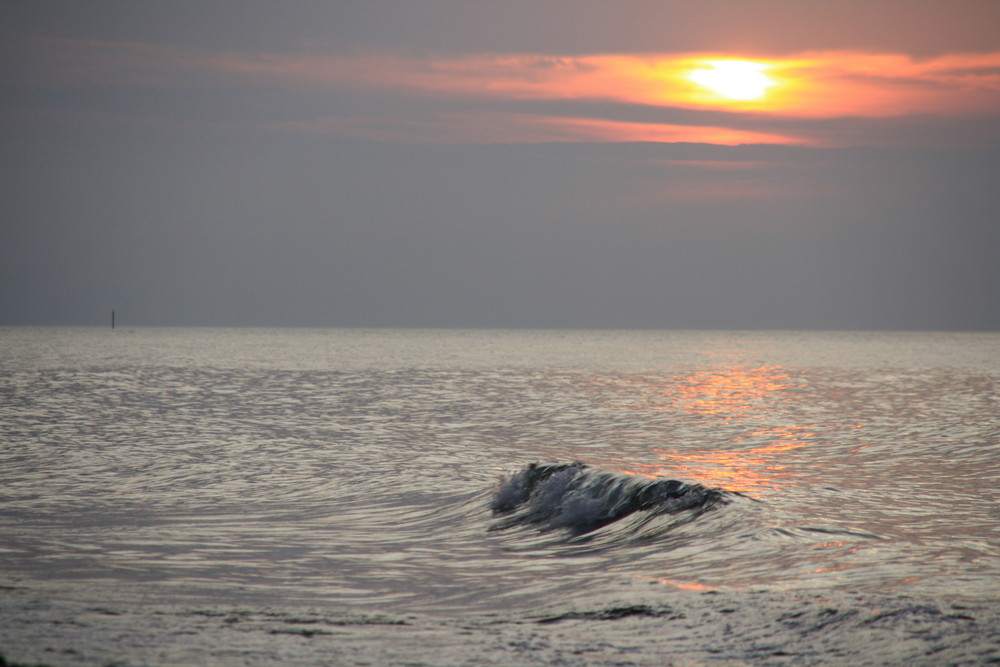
{"x":733,"y":79}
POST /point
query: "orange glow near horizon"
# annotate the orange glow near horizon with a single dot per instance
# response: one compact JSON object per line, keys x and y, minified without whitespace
{"x":813,"y":85}
{"x":808,"y":85}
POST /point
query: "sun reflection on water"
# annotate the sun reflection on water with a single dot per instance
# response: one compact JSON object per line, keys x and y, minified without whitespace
{"x":731,"y":392}
{"x":743,"y":399}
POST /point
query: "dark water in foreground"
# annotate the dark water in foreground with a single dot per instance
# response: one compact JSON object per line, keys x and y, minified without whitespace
{"x":196,"y":496}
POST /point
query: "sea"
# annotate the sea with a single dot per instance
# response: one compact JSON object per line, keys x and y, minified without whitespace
{"x":242,"y":496}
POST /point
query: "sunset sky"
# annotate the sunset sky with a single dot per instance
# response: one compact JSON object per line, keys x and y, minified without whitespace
{"x":765,"y":164}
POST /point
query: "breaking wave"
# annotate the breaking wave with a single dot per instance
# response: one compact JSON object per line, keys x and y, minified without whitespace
{"x":581,"y":499}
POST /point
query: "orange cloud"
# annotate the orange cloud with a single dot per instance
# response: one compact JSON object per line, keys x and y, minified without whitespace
{"x":808,"y":86}
{"x":817,"y":85}
{"x":495,"y":127}
{"x":825,"y":85}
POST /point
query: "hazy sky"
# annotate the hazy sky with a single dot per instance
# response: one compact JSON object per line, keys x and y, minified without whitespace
{"x":442,"y":163}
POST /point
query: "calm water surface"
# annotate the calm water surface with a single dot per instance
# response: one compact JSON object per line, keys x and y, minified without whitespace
{"x":358,"y":468}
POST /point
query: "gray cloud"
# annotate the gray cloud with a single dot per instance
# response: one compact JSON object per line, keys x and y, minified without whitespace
{"x":281,"y":231}
{"x":208,"y":201}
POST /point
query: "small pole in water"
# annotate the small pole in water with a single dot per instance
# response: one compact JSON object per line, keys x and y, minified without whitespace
{"x":112,"y":319}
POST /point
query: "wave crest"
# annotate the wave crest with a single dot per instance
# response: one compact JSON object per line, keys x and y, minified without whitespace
{"x":577,"y":497}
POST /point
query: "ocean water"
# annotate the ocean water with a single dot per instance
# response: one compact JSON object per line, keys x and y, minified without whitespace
{"x":333,"y":496}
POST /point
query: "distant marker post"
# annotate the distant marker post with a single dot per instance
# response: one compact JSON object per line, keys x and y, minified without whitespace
{"x":112,"y":319}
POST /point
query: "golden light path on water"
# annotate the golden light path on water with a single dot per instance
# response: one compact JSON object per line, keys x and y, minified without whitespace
{"x":752,"y":462}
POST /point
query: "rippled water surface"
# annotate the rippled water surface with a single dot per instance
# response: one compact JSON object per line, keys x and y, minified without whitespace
{"x":358,"y":468}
